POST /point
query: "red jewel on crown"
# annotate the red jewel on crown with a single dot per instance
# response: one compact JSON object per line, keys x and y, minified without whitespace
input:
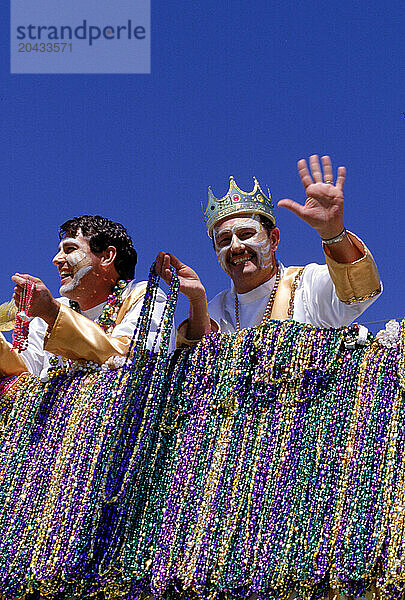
{"x":236,"y":198}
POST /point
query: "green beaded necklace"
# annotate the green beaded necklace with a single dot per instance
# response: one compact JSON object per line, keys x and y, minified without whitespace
{"x":106,"y":320}
{"x":110,"y":311}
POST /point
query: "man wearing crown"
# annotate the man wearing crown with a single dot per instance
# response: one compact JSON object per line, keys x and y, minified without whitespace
{"x":242,"y":226}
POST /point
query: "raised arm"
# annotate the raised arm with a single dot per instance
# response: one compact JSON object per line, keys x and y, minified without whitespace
{"x":350,"y":263}
{"x":323,"y":208}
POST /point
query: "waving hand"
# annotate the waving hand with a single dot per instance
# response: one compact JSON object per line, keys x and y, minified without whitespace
{"x":323,"y":208}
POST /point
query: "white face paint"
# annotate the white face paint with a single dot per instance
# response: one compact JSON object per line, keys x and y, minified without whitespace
{"x":240,"y":239}
{"x":75,"y":257}
{"x":69,"y":287}
{"x":79,"y":263}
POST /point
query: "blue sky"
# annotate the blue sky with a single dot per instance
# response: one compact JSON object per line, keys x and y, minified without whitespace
{"x":237,"y":88}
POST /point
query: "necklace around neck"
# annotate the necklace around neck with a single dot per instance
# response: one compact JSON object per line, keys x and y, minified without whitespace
{"x":110,"y":311}
{"x":269,"y":307}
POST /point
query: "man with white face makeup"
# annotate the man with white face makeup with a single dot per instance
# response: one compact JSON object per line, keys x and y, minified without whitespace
{"x":242,"y":226}
{"x":96,"y":262}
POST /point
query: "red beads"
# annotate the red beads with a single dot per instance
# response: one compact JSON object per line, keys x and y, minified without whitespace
{"x":21,"y":328}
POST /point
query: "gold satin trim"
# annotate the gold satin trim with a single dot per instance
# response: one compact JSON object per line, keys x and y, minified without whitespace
{"x":354,"y":282}
{"x":283,"y":294}
{"x":279,"y":310}
{"x":11,"y":362}
{"x":76,"y":337}
{"x":357,"y":281}
{"x":129,"y":301}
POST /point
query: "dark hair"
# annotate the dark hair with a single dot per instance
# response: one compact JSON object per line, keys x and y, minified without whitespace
{"x":267,"y":223}
{"x":101,"y":233}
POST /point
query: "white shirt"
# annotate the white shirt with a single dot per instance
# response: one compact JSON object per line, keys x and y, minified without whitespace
{"x":37,"y":359}
{"x":315,"y":302}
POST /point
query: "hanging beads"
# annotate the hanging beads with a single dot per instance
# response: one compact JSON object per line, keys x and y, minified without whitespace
{"x":281,"y":466}
{"x":21,"y":327}
{"x":69,"y":451}
{"x":270,"y":461}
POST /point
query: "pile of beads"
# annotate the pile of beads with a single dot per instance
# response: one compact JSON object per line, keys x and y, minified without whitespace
{"x":281,"y":470}
{"x":68,"y":448}
{"x":270,"y":461}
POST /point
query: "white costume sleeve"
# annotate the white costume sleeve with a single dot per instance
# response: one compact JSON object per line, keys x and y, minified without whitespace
{"x":316,"y":301}
{"x":35,"y":356}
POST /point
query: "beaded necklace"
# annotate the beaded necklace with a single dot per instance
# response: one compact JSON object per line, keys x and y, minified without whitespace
{"x":68,"y":447}
{"x":269,"y":306}
{"x":268,"y":461}
{"x":283,"y":469}
{"x":106,"y":321}
{"x":21,"y":328}
{"x":110,"y":311}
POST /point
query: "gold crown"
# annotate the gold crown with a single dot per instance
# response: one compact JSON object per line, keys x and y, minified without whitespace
{"x":235,"y":202}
